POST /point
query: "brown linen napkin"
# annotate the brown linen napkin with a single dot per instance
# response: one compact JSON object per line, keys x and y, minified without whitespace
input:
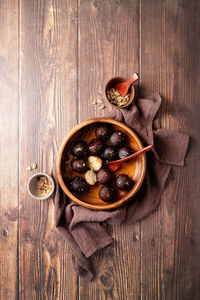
{"x":83,"y":228}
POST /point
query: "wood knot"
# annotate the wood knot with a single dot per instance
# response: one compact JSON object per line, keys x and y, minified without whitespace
{"x":97,"y":4}
{"x":153,"y":242}
{"x":51,"y":243}
{"x":135,"y":238}
{"x":168,"y":272}
{"x":192,"y":241}
{"x":37,"y":286}
{"x":28,"y":237}
{"x":12,"y":214}
{"x":106,"y":279}
{"x":5,"y":232}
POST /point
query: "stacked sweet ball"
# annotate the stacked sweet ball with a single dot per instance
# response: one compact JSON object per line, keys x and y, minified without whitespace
{"x":109,"y":145}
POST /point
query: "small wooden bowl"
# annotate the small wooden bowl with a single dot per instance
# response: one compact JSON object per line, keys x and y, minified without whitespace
{"x":135,"y":168}
{"x":112,"y":83}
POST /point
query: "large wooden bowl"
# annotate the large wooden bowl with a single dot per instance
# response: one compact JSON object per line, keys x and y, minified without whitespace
{"x":134,"y":168}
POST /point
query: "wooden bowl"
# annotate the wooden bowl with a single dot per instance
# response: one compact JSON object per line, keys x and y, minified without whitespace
{"x":113,"y":82}
{"x":134,"y":168}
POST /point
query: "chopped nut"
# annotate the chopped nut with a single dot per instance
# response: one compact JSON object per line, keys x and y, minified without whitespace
{"x":94,"y":102}
{"x":99,"y":101}
{"x":102,"y":107}
{"x":90,"y":177}
{"x":94,"y":163}
{"x":119,"y":98}
{"x":115,"y":97}
{"x":34,"y":165}
{"x":28,"y":168}
{"x":116,"y":93}
{"x":44,"y":185}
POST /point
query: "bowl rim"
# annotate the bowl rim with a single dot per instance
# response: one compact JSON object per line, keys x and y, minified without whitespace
{"x":36,"y":175}
{"x":108,"y":206}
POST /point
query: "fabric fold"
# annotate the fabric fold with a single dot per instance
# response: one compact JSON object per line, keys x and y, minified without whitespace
{"x":82,"y":228}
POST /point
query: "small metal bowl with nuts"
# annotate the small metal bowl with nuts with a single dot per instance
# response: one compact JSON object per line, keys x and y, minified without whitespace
{"x":41,"y":186}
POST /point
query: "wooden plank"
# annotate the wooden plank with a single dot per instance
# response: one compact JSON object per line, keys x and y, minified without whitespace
{"x":167,"y":267}
{"x":9,"y":149}
{"x":108,"y":49}
{"x":48,"y":87}
{"x":108,"y":46}
{"x":170,"y":66}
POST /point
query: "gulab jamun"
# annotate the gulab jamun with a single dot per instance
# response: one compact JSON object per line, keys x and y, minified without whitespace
{"x":79,"y":165}
{"x":78,"y":184}
{"x":123,"y":182}
{"x":96,"y":147}
{"x":107,"y":193}
{"x":90,"y":177}
{"x":109,"y":154}
{"x":94,"y":162}
{"x":117,"y":138}
{"x":124,"y":152}
{"x":80,"y":149}
{"x":103,"y":132}
{"x":103,"y":176}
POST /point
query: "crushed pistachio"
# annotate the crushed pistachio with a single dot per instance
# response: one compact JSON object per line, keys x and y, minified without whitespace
{"x":34,"y":165}
{"x":115,"y":97}
{"x":100,"y":103}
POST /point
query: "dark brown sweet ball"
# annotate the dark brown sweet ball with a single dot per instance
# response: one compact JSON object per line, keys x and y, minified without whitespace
{"x":124,"y":152}
{"x":96,"y":147}
{"x":78,"y":184}
{"x":123,"y":182}
{"x":117,"y":138}
{"x":79,"y":165}
{"x":107,"y":193}
{"x":109,"y":154}
{"x":103,"y":132}
{"x":80,"y":149}
{"x":103,"y":176}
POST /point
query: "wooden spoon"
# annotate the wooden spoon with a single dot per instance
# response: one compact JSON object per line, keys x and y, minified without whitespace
{"x":114,"y":165}
{"x":123,"y":87}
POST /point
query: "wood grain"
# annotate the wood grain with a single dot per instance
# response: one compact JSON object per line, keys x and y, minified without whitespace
{"x":170,"y":65}
{"x":55,"y":58}
{"x":108,"y":47}
{"x":9,"y":150}
{"x":48,"y":88}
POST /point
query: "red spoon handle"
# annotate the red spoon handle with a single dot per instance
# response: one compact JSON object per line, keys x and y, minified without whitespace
{"x":145,"y":149}
{"x":139,"y":152}
{"x":132,"y":79}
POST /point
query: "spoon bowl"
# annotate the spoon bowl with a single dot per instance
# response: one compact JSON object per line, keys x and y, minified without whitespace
{"x":123,"y":87}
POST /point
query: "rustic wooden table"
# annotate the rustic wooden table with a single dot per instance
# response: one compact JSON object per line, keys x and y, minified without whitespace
{"x":55,"y":58}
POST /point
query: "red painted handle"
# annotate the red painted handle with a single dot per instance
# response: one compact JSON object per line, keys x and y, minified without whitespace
{"x":145,"y":149}
{"x":132,"y":79}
